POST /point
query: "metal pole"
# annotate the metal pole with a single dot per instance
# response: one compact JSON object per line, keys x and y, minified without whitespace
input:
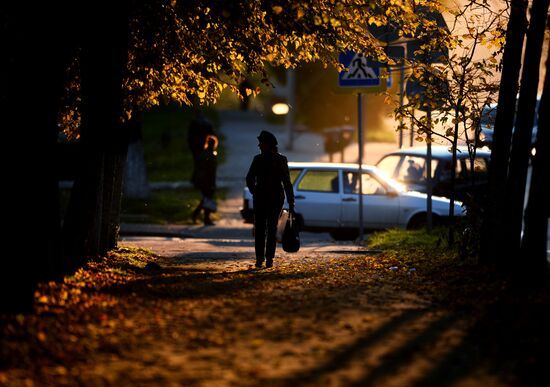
{"x":360,"y":171}
{"x":411,"y":139}
{"x":429,"y":171}
{"x":402,"y":89}
{"x":401,"y":96}
{"x":291,"y":101}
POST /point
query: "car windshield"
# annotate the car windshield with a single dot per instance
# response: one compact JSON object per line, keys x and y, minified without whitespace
{"x":406,"y":169}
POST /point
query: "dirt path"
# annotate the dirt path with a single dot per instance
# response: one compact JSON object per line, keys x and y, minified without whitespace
{"x":316,"y":319}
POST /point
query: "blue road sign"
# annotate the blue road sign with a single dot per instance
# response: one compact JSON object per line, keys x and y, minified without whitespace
{"x":361,"y":75}
{"x":360,"y":72}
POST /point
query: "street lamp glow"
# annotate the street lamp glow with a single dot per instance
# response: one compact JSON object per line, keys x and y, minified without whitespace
{"x":280,"y":108}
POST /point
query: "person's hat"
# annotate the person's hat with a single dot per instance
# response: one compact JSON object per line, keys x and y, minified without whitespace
{"x":267,"y":138}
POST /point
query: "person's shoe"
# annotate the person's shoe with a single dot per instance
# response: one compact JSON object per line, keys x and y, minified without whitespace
{"x":269,"y":263}
{"x":208,"y":222}
{"x":259,"y":264}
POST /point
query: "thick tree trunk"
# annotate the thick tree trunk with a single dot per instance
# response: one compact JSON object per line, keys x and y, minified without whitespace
{"x":521,"y":140}
{"x":103,"y":62}
{"x":533,"y":246}
{"x":31,"y":239}
{"x":113,"y":177}
{"x":82,"y":219}
{"x":493,"y":220}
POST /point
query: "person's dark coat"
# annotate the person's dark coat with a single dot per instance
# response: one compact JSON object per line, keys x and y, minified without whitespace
{"x":205,"y":175}
{"x":268,"y":179}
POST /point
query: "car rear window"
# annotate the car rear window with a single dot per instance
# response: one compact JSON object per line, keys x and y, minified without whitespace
{"x":294,"y":173}
{"x":463,"y":171}
{"x":321,"y":181}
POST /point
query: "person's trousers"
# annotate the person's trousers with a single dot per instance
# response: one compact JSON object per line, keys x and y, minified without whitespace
{"x":265,"y":231}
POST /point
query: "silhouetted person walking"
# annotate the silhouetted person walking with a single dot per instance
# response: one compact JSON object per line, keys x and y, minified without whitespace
{"x":199,"y":129}
{"x":268,"y":180}
{"x":205,"y":179}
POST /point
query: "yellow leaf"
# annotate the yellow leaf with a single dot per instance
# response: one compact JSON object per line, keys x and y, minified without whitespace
{"x":41,"y":336}
{"x":277,"y":9}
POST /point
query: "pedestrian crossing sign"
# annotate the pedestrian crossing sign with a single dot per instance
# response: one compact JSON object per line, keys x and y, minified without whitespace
{"x":360,"y":74}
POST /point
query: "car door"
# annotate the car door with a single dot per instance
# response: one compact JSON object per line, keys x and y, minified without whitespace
{"x":318,"y":198}
{"x":380,"y":208}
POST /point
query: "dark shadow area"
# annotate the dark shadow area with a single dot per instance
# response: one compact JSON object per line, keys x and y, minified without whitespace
{"x":392,"y":362}
{"x":214,"y":256}
{"x":178,"y":283}
{"x":512,"y":340}
{"x":341,"y":358}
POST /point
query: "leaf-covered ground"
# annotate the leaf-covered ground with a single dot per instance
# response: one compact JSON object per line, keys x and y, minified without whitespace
{"x":369,"y":319}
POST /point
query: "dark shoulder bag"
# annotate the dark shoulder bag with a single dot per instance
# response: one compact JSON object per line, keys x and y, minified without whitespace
{"x":291,"y":235}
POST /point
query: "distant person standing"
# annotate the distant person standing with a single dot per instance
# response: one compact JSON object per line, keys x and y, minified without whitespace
{"x":199,"y":129}
{"x":205,"y":179}
{"x":268,"y":180}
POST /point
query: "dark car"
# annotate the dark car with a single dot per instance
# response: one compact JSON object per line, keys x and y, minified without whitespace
{"x":487,"y":125}
{"x":408,"y":166}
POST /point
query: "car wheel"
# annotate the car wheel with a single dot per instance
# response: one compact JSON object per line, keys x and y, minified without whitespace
{"x":417,"y":222}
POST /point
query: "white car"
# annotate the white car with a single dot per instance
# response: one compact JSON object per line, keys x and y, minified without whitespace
{"x":327,"y":199}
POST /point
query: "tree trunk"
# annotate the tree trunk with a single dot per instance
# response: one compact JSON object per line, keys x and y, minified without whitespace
{"x":533,"y":246}
{"x":521,"y":140}
{"x":114,"y":173}
{"x":81,"y":219}
{"x":114,"y":169}
{"x":103,"y":62}
{"x":493,"y":219}
{"x":32,"y":213}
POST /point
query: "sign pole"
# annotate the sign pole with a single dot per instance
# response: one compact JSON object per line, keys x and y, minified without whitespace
{"x":360,"y":171}
{"x":429,"y":171}
{"x":360,"y":76}
{"x":401,"y":95}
